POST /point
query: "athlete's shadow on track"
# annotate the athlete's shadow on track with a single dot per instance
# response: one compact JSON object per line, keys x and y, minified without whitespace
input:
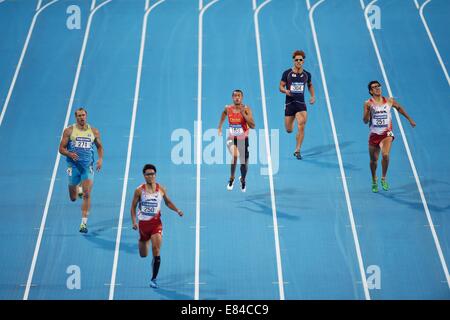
{"x":403,"y":195}
{"x":262,"y":203}
{"x":97,"y":236}
{"x":316,"y":154}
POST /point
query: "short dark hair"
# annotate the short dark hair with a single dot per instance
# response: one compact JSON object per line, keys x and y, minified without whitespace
{"x":237,"y":90}
{"x":147,"y":167}
{"x":80,"y":109}
{"x":298,"y":53}
{"x":369,"y":86}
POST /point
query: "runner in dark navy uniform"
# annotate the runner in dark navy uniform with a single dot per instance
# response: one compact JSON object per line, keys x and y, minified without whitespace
{"x":293,"y":83}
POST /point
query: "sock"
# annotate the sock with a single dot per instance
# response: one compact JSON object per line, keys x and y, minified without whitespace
{"x":156,"y":262}
{"x":84,"y":220}
{"x":244,"y":168}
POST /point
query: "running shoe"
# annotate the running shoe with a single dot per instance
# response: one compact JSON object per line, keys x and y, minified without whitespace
{"x":384,"y":184}
{"x":243,"y":189}
{"x":298,"y":155}
{"x":230,"y":184}
{"x":375,"y":186}
{"x":83,"y":228}
{"x":153,"y":284}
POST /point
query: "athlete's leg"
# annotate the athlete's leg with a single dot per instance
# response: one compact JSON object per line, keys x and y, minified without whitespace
{"x":156,"y":246}
{"x":243,"y":158}
{"x":74,"y":177}
{"x":233,"y":149}
{"x":143,"y":248}
{"x":87,"y":189}
{"x":385,"y":145}
{"x":289,"y":123}
{"x":73,"y":192}
{"x":374,"y":152}
{"x":301,"y":122}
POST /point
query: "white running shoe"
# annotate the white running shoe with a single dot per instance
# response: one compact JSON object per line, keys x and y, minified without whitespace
{"x":230,"y":184}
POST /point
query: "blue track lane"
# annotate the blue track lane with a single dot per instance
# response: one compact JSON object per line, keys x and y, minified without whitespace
{"x":29,"y":136}
{"x":167,"y":103}
{"x":106,"y":86}
{"x":318,"y":253}
{"x":237,"y":243}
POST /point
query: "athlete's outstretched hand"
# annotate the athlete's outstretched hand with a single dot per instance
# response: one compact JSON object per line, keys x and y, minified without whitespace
{"x":219,"y":131}
{"x":312,"y":100}
{"x":180,"y":213}
{"x":412,"y":122}
{"x":135,"y":226}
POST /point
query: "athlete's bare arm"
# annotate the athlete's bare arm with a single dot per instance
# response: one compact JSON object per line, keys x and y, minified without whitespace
{"x":136,"y":196}
{"x":169,"y":202}
{"x":366,"y":114}
{"x":312,"y":99}
{"x":402,"y":111}
{"x":248,"y":116}
{"x":223,"y":116}
{"x":283,"y":88}
{"x":99,"y":145}
{"x":63,"y":145}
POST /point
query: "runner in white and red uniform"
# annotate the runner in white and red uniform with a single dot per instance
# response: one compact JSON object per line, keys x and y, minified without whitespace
{"x":377,"y":112}
{"x":147,"y":198}
{"x":240,"y":121}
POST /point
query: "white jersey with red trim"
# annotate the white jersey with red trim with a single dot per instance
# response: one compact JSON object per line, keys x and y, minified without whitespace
{"x":380,"y":117}
{"x":149,"y":206}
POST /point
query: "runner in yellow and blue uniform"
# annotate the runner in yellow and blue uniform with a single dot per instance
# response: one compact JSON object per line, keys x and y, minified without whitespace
{"x":77,"y":145}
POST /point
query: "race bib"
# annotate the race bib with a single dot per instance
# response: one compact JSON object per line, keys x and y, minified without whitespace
{"x":381,"y":120}
{"x":83,"y":143}
{"x":236,"y":130}
{"x":297,"y":87}
{"x":148,"y":208}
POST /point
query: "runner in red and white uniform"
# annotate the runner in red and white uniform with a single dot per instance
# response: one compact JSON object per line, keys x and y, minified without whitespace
{"x":240,"y":121}
{"x":377,"y":112}
{"x":147,"y":198}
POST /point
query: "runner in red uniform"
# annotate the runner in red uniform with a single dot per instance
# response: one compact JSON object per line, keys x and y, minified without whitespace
{"x":240,"y":120}
{"x":148,"y":197}
{"x":377,"y":112}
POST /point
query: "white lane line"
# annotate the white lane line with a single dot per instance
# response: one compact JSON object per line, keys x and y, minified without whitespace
{"x":415,"y":2}
{"x":268,"y":152}
{"x":130,"y":147}
{"x":408,"y":151}
{"x":339,"y":156}
{"x":22,"y":55}
{"x":362,"y":4}
{"x":58,"y":156}
{"x":199,"y":148}
{"x":438,"y":55}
